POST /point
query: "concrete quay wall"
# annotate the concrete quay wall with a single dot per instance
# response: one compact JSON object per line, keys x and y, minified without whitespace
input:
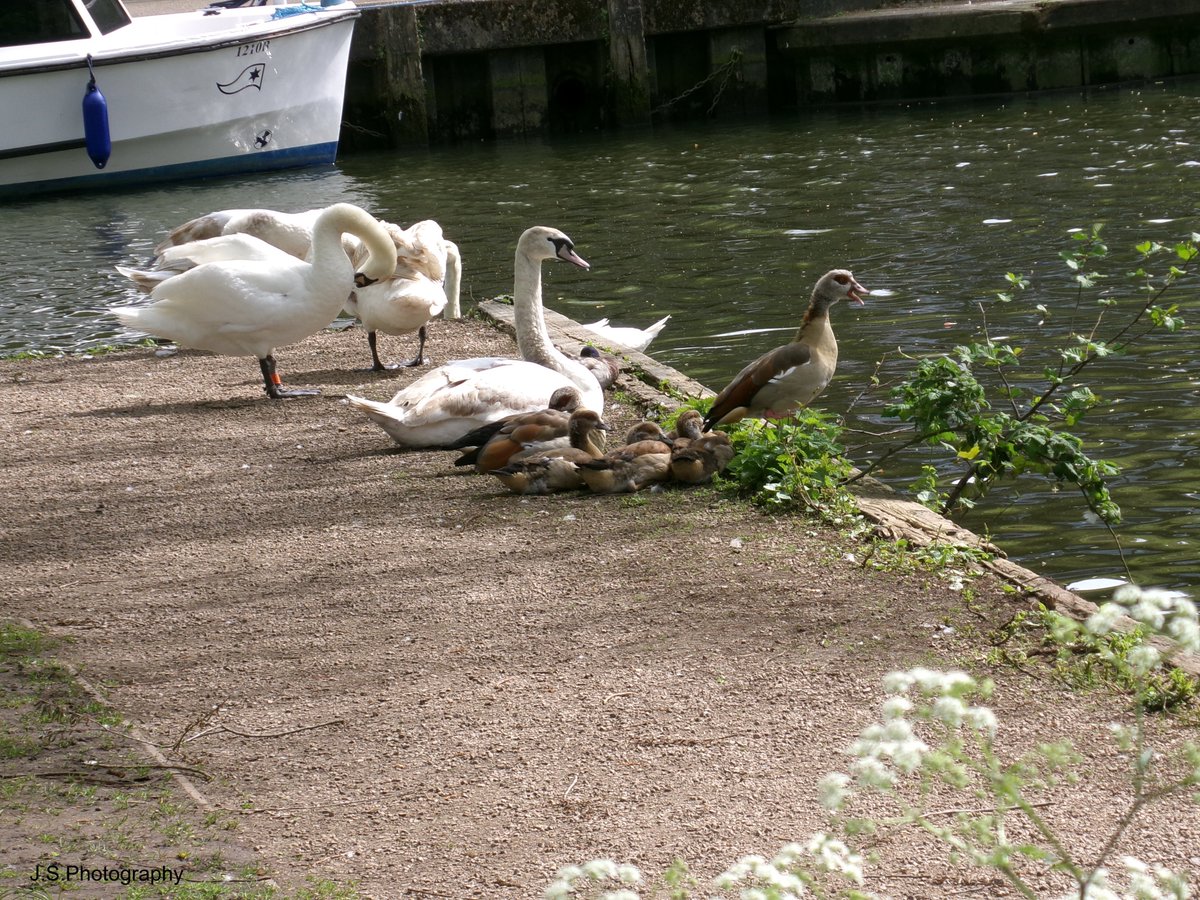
{"x":433,"y":71}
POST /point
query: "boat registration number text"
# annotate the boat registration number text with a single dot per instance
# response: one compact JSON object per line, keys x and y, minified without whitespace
{"x":256,"y":47}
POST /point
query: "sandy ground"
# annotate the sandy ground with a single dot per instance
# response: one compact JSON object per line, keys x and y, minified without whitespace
{"x":492,"y":686}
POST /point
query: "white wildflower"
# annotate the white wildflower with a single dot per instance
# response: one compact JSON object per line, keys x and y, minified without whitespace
{"x":789,"y":855}
{"x":1143,"y":658}
{"x":930,"y":681}
{"x":622,"y":894}
{"x":909,"y":755}
{"x":949,"y":710}
{"x":1149,"y":611}
{"x":628,"y":874}
{"x":897,"y":682}
{"x":558,"y":890}
{"x":832,"y":791}
{"x":1186,"y":631}
{"x":1097,"y":888}
{"x":732,"y":876}
{"x":832,"y":855}
{"x":982,"y":719}
{"x":897,"y":731}
{"x":1127,"y":594}
{"x":953,"y":681}
{"x":570,"y":873}
{"x":1104,"y":619}
{"x":896,"y":708}
{"x":874,"y":774}
{"x":600,"y":869}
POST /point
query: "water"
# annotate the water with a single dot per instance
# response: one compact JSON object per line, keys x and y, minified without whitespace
{"x":727,"y":228}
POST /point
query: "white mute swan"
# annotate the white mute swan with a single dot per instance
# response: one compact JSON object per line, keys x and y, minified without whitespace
{"x":440,"y":407}
{"x":634,"y":338}
{"x":252,"y":306}
{"x":426,"y":281}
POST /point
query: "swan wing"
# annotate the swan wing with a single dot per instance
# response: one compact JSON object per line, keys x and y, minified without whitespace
{"x":397,"y":305}
{"x":443,"y":405}
{"x":223,"y":248}
{"x":239,"y":307}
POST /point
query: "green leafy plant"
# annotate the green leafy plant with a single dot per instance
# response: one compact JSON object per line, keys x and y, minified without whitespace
{"x":1002,"y":415}
{"x":795,"y":463}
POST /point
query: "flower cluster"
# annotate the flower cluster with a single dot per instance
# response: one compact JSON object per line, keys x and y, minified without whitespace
{"x":1162,"y":612}
{"x":1144,"y":883}
{"x":891,"y":748}
{"x":572,"y":879}
{"x":787,"y":876}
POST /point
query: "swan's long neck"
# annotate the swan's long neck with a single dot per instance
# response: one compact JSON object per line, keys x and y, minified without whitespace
{"x":533,"y":339}
{"x":328,"y":254}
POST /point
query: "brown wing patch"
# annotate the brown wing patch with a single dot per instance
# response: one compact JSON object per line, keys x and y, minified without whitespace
{"x":740,"y":392}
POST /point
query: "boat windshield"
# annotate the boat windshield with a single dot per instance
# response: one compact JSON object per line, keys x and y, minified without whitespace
{"x":39,"y":22}
{"x":109,"y":14}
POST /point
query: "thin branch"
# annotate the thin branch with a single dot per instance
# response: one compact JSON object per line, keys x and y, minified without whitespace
{"x":218,"y":729}
{"x":1008,"y":389}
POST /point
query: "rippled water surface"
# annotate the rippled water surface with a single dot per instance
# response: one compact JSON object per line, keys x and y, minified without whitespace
{"x":727,"y":228}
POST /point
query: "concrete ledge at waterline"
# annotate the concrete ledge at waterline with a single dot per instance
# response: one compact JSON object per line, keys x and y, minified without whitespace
{"x":893,"y":516}
{"x":985,"y":19}
{"x":571,"y":336}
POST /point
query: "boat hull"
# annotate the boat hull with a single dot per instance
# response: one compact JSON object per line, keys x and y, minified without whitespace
{"x":259,"y":93}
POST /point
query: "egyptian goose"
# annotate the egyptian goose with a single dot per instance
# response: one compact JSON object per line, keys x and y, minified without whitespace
{"x":605,"y":366}
{"x":494,"y":444}
{"x":557,"y":470}
{"x":647,"y":431}
{"x":688,"y":427}
{"x":787,"y":378}
{"x":634,"y":338}
{"x":251,"y":306}
{"x":628,"y":469}
{"x":443,"y":405}
{"x":701,"y":458}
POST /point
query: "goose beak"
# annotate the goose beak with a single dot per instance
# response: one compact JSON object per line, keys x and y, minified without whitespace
{"x":857,"y":292}
{"x":361,"y":280}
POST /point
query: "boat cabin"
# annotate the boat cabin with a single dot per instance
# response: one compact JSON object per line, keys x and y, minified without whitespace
{"x":49,"y":21}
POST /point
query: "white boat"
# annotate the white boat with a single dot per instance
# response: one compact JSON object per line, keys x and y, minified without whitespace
{"x":212,"y":92}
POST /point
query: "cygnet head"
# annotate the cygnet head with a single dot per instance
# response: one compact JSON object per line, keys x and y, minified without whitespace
{"x":542,"y":242}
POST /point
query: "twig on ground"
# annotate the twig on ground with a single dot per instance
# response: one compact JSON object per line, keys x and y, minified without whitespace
{"x":218,"y":729}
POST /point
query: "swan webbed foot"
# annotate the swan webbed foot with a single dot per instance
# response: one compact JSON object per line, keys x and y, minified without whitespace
{"x":274,"y":385}
{"x":285,"y":393}
{"x":379,"y":366}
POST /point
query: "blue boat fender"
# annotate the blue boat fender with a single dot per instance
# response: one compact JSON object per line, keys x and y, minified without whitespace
{"x":95,"y":122}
